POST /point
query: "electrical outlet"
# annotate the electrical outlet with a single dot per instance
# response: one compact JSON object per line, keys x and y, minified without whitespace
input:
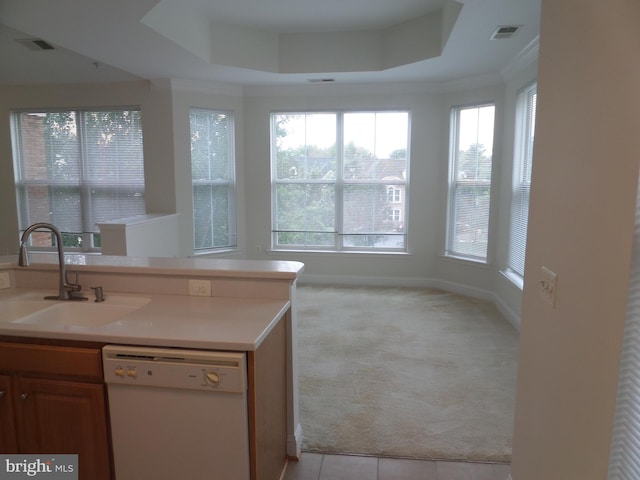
{"x":201,"y":288}
{"x":548,"y":286}
{"x":5,"y":281}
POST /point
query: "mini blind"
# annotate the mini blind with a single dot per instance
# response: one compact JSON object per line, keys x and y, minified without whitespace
{"x":76,"y":168}
{"x":523,"y":158}
{"x":470,"y":181}
{"x":213,"y":178}
{"x":624,"y":460}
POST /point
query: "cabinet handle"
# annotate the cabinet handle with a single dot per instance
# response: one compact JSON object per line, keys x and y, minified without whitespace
{"x":2,"y":393}
{"x":24,"y":396}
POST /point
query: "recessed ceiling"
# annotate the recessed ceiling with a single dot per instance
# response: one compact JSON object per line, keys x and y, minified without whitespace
{"x":262,"y":42}
{"x":310,"y":15}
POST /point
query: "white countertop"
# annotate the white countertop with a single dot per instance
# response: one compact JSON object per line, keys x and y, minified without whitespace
{"x":265,"y":269}
{"x":212,"y":323}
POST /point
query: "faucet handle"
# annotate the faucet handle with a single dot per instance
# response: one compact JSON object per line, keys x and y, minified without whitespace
{"x":99,"y":293}
{"x":72,"y":287}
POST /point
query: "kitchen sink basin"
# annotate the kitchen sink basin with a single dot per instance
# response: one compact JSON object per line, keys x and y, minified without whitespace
{"x":12,"y":310}
{"x":80,"y":313}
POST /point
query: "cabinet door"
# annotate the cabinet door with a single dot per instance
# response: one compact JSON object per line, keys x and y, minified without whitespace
{"x":8,"y":441}
{"x":64,"y":417}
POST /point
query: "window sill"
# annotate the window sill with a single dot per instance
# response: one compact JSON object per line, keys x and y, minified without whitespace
{"x":513,"y":277}
{"x":214,"y":251}
{"x":467,"y":260}
{"x":280,"y":251}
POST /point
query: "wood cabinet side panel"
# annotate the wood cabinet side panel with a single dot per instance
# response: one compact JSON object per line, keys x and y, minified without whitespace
{"x":268,"y":406}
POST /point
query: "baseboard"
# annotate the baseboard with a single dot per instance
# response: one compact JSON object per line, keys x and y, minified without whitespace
{"x":410,"y":282}
{"x":294,"y":443}
{"x":354,"y":281}
{"x":511,"y":315}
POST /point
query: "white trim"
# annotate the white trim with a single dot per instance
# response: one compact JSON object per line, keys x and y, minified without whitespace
{"x":407,"y":282}
{"x":522,"y":60}
{"x":513,"y":277}
{"x":510,"y":315}
{"x":294,"y":443}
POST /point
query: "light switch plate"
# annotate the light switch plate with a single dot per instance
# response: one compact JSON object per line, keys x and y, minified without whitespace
{"x":5,"y":280}
{"x":548,"y":285}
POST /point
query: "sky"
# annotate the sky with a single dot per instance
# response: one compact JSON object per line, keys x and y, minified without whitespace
{"x":381,"y":132}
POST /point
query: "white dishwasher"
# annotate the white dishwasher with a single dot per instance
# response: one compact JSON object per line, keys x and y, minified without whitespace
{"x":177,"y":413}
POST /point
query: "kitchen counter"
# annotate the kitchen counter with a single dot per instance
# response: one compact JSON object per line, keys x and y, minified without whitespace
{"x":212,"y":323}
{"x":249,"y":300}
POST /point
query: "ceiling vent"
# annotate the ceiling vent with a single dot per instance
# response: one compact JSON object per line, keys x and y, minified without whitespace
{"x":505,"y":31}
{"x":35,"y":44}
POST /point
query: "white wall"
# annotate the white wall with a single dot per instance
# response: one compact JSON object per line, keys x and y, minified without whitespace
{"x":581,"y":221}
{"x":166,"y":105}
{"x":156,"y":133}
{"x":507,"y":295}
{"x":165,"y":123}
{"x":184,"y":96}
{"x":426,"y":159}
{"x":423,"y":265}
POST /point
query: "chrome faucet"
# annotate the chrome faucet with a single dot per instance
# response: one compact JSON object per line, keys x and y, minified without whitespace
{"x":66,"y":290}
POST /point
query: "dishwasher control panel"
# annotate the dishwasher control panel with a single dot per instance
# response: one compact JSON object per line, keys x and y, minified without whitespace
{"x":175,"y":368}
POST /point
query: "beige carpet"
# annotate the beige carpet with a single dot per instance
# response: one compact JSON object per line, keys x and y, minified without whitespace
{"x":414,"y":373}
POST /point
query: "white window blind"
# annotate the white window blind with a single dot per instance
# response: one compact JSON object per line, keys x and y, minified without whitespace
{"x":523,"y":158}
{"x":470,"y":164}
{"x":213,"y":179}
{"x":624,"y":460}
{"x":76,"y":168}
{"x":340,"y":180}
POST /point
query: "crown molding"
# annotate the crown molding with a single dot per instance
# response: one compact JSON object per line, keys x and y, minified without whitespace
{"x":527,"y":56}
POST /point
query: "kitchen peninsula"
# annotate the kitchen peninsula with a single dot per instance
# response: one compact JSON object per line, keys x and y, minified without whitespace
{"x":187,"y":303}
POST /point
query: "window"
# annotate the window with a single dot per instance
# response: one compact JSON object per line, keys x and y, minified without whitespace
{"x":394,"y":195}
{"x":470,"y":181}
{"x":624,"y":457}
{"x":340,"y":180}
{"x":522,"y":161}
{"x":213,"y":179}
{"x":75,"y":168}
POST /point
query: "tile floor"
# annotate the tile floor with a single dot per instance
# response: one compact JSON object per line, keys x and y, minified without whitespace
{"x":317,"y":466}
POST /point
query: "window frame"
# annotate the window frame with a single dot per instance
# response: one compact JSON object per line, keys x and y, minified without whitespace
{"x":524,"y":140}
{"x":230,"y":184}
{"x":454,"y":183}
{"x":90,"y":239}
{"x":340,"y":184}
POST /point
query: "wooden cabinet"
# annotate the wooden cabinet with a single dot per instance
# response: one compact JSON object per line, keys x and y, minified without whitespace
{"x":268,"y":406}
{"x":55,"y":402}
{"x":8,"y":440}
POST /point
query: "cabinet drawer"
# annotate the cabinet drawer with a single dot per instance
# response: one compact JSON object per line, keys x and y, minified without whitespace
{"x":51,"y":360}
